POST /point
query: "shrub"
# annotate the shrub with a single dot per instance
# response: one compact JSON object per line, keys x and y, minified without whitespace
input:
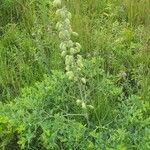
{"x":45,"y":116}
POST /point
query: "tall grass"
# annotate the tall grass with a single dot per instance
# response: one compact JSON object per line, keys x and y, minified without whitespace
{"x":100,"y":33}
{"x":26,"y":41}
{"x":109,"y":109}
{"x":138,"y":11}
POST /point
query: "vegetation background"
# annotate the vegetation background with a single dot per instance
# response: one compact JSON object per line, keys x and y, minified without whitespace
{"x":39,"y":107}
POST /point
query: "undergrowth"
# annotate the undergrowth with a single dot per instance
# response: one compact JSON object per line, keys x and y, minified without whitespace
{"x":74,"y":75}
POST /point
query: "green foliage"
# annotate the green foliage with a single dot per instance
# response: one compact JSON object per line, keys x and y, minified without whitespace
{"x":25,"y":48}
{"x":40,"y":119}
{"x":18,"y":65}
{"x":41,"y":109}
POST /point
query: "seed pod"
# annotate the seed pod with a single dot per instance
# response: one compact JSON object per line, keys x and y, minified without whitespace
{"x":75,"y":79}
{"x":78,"y":102}
{"x":91,"y":107}
{"x":83,"y":80}
{"x":63,"y":47}
{"x":79,"y":57}
{"x":63,"y":35}
{"x":70,"y":43}
{"x":83,"y":105}
{"x":57,"y":3}
{"x":69,"y":16}
{"x":77,"y":49}
{"x":75,"y":34}
{"x":73,"y":51}
{"x":78,"y":69}
{"x":67,"y":21}
{"x":58,"y":12}
{"x":67,"y":68}
{"x":70,"y":75}
{"x":69,"y":60}
{"x":59,"y":26}
{"x":78,"y":45}
{"x":63,"y":14}
{"x":63,"y":53}
{"x":79,"y":63}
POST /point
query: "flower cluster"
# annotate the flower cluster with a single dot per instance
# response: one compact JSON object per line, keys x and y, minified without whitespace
{"x":69,"y":49}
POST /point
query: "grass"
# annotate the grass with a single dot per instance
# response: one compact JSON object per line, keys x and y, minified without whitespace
{"x":38,"y":104}
{"x":138,"y":11}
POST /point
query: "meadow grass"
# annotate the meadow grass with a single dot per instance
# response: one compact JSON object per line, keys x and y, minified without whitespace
{"x":39,"y":103}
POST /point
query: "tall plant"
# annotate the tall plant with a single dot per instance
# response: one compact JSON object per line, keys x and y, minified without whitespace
{"x":70,"y":52}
